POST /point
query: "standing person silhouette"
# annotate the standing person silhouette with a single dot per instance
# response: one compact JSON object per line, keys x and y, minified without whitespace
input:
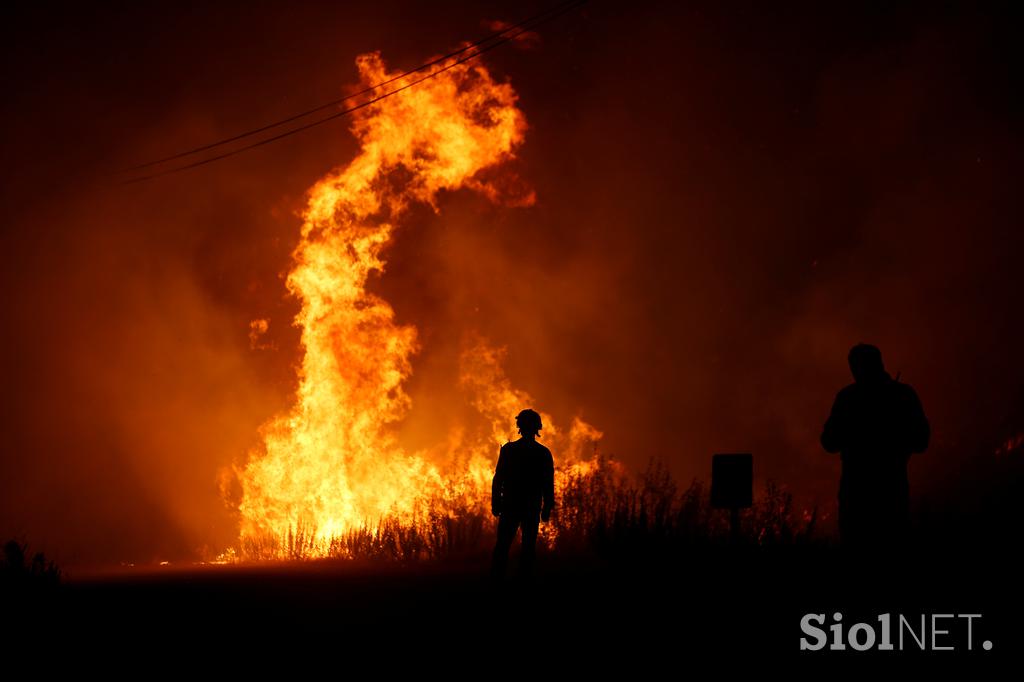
{"x":875,"y":425}
{"x":522,"y":493}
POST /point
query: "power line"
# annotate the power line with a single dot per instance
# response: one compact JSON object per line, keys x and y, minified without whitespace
{"x":345,"y":112}
{"x":332,"y":103}
{"x":520,"y":28}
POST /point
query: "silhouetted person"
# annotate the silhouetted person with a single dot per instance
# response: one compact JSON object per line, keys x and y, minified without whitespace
{"x":875,"y":425}
{"x":522,"y":492}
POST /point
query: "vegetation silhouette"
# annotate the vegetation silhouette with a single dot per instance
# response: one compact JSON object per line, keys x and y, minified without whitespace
{"x":21,"y":576}
{"x":602,"y":512}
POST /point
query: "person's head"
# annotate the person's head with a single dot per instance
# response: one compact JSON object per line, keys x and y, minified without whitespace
{"x":866,"y":362}
{"x":528,"y":422}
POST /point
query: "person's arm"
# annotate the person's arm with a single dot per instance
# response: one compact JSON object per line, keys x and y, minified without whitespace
{"x":833,"y":436}
{"x":497,"y":483}
{"x":549,"y":488}
{"x":920,"y":431}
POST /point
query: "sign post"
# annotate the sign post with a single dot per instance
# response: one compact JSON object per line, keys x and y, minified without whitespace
{"x":732,"y":486}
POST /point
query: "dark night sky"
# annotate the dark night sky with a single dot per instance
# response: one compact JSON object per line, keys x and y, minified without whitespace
{"x":729,"y":197}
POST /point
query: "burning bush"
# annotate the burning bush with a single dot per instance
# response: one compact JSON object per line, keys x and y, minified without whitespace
{"x":601,"y":512}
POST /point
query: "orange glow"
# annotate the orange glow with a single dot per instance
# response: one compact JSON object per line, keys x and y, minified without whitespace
{"x":1009,"y":445}
{"x":331,"y":463}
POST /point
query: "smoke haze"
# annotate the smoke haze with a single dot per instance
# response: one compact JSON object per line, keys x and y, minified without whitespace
{"x":726,"y":201}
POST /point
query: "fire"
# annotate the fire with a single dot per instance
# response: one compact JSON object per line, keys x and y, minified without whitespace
{"x":1010,"y":444}
{"x":331,"y":463}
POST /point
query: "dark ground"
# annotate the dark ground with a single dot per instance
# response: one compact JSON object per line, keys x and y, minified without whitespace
{"x":732,"y":608}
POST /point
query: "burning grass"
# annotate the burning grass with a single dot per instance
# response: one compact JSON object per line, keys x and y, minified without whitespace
{"x":601,"y":512}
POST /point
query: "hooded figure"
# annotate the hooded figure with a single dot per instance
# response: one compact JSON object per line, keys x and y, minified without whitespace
{"x":875,"y":425}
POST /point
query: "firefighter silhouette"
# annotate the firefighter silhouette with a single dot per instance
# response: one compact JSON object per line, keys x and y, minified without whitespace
{"x":876,"y":423}
{"x":522,"y":493}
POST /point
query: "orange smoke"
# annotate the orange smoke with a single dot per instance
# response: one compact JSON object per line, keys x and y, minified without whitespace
{"x":331,"y":463}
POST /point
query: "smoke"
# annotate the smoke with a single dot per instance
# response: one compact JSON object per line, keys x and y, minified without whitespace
{"x":726,"y":201}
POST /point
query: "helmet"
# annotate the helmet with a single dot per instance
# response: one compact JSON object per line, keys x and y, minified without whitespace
{"x":528,"y":421}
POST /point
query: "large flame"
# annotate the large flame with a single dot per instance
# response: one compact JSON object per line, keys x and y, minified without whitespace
{"x":331,"y":463}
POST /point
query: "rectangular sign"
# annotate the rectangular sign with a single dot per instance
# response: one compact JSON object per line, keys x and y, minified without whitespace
{"x":732,"y":481}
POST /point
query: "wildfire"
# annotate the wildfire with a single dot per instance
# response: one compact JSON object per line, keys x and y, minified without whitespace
{"x":331,"y":464}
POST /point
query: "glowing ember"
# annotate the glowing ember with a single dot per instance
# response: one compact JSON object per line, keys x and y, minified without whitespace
{"x":330,"y":465}
{"x":1009,"y":445}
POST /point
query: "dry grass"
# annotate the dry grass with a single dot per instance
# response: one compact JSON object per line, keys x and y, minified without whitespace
{"x":18,"y":572}
{"x":601,"y":511}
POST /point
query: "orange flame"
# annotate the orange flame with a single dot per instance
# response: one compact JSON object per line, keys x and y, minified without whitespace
{"x":330,"y":464}
{"x":1009,"y":445}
